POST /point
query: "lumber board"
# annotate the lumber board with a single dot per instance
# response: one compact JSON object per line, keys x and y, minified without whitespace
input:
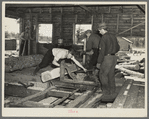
{"x":122,"y":96}
{"x":64,"y":98}
{"x":140,"y":99}
{"x":90,"y":83}
{"x":132,"y":97}
{"x":31,"y":104}
{"x":60,"y":93}
{"x":55,"y":73}
{"x":133,"y":73}
{"x":91,"y":101}
{"x":135,"y":78}
{"x":81,"y":99}
{"x":48,"y":100}
{"x":34,"y":96}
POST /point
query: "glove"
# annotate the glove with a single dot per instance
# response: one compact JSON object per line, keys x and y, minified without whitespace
{"x":90,"y":52}
{"x":98,"y":66}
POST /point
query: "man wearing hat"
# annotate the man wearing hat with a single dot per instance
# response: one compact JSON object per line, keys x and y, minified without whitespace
{"x":92,"y":44}
{"x":106,"y":62}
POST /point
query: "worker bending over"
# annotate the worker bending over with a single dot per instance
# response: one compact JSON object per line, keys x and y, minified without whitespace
{"x":54,"y":55}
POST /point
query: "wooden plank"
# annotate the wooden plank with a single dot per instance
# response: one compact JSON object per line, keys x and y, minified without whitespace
{"x":135,"y":78}
{"x":55,"y":73}
{"x":117,"y":23}
{"x":81,"y":99}
{"x":64,"y":98}
{"x":33,"y":96}
{"x":31,"y":104}
{"x":130,"y":72}
{"x":89,"y":83}
{"x":91,"y":101}
{"x":48,"y":100}
{"x":132,"y":97}
{"x":140,"y":99}
{"x":122,"y":96}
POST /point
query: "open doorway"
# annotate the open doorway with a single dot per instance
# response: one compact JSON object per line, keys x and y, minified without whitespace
{"x":12,"y":30}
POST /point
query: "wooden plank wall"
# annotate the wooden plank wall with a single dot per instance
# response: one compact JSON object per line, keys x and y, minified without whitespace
{"x":118,"y":18}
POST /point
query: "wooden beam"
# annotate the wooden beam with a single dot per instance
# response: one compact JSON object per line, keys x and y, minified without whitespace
{"x":132,"y":97}
{"x":81,"y":99}
{"x":33,"y":96}
{"x":85,"y":8}
{"x":12,"y":14}
{"x":117,"y":23}
{"x":31,"y":104}
{"x":92,"y":101}
{"x":141,"y":8}
{"x":122,"y":96}
{"x":63,"y":99}
{"x":61,"y":93}
{"x":131,"y":28}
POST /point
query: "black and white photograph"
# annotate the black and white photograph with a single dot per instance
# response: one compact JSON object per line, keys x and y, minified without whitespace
{"x":74,"y":59}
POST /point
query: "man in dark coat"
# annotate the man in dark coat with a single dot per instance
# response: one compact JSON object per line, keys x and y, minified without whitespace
{"x":92,"y":49}
{"x":106,"y":62}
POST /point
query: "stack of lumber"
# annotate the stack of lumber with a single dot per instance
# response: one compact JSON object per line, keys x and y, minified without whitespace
{"x":132,"y":69}
{"x":19,"y":63}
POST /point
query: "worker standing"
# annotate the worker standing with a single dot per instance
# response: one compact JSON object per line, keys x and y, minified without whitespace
{"x":54,"y":55}
{"x":92,"y":49}
{"x":106,"y":62}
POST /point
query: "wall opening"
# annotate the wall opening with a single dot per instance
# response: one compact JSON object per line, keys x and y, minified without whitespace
{"x":12,"y":31}
{"x":79,"y":33}
{"x":45,"y":33}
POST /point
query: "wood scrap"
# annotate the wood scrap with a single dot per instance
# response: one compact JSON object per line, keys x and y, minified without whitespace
{"x":81,"y":99}
{"x":55,"y":73}
{"x":135,"y":78}
{"x":127,"y":71}
{"x":131,"y":67}
{"x":91,"y":101}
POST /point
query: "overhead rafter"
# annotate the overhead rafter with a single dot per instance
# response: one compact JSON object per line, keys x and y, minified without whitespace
{"x":87,"y":9}
{"x":141,"y":8}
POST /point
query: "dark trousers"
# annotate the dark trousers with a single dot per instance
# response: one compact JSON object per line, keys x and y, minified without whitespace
{"x":107,"y":74}
{"x":47,"y":59}
{"x":93,"y":58}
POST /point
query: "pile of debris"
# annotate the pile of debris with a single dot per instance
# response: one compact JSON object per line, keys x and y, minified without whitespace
{"x":131,"y":69}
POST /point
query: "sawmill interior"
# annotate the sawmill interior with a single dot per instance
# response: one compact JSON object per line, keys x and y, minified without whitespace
{"x":44,"y":26}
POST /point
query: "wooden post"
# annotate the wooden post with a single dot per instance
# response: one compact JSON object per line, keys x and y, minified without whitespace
{"x":84,"y":51}
{"x":131,"y":24}
{"x":117,"y":23}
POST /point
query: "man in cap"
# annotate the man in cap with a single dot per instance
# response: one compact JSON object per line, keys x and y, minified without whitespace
{"x":106,"y":62}
{"x":92,"y":44}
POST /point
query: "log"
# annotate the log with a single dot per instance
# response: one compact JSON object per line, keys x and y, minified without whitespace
{"x":91,"y":101}
{"x":135,"y":78}
{"x":81,"y":99}
{"x":33,"y":96}
{"x":127,"y":71}
{"x":131,"y":67}
{"x":55,"y":73}
{"x":19,"y":63}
